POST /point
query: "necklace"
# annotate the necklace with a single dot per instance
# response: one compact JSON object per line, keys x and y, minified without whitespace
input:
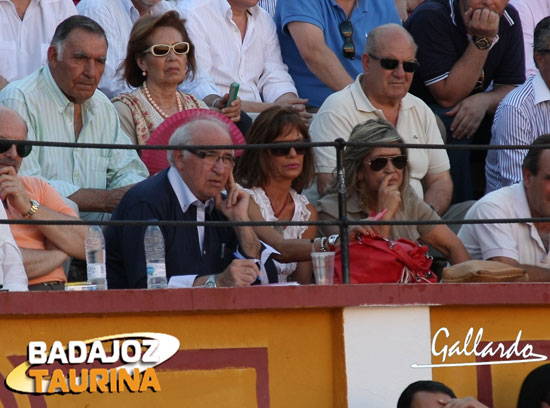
{"x":277,"y":213}
{"x":154,"y":104}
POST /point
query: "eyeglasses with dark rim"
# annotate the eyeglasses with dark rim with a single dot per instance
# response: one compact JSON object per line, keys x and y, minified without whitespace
{"x":285,"y":151}
{"x":346,"y":30}
{"x":391,"y":64}
{"x":212,"y":158}
{"x":380,"y":163}
{"x":161,"y":50}
{"x":22,"y":150}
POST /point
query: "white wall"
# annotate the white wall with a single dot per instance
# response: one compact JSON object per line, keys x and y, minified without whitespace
{"x":381,"y":343}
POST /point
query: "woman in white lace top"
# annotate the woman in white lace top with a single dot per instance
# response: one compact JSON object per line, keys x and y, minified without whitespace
{"x":274,"y":177}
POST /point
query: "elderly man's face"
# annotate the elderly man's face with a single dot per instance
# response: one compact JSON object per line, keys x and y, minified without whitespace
{"x":11,"y":127}
{"x":205,"y":178}
{"x":81,"y":65}
{"x":542,"y":59}
{"x":537,"y":188}
{"x":388,"y":85}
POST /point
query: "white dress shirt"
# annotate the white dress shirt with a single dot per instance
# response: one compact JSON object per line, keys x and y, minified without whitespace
{"x":12,"y":272}
{"x":186,"y":198}
{"x":117,"y":17}
{"x":24,"y":42}
{"x":530,"y":13}
{"x":254,"y":62}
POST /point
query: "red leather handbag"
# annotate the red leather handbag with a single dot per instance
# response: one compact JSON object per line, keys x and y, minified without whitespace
{"x":380,"y":260}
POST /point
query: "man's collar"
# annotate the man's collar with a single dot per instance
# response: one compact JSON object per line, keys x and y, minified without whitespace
{"x":185,"y":196}
{"x":226,"y":11}
{"x":541,"y":93}
{"x":131,"y":10}
{"x":360,"y":4}
{"x":57,"y":94}
{"x":363,"y":103}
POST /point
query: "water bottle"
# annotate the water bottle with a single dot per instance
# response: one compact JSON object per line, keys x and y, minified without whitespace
{"x":95,"y":257}
{"x":154,"y":258}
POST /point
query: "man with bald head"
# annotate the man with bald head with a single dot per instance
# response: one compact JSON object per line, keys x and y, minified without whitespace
{"x":44,"y":247}
{"x":190,"y":190}
{"x":382,"y":92}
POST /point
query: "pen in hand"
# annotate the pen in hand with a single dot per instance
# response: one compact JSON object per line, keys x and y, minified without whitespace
{"x":239,"y":256}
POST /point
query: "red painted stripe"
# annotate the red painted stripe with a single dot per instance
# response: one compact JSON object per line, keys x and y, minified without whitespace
{"x":484,"y":373}
{"x":215,"y":359}
{"x":271,"y":298}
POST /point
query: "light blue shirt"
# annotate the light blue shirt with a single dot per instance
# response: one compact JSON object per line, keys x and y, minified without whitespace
{"x":49,"y":116}
{"x":327,"y":15}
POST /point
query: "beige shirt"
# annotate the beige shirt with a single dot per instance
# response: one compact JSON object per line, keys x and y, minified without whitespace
{"x":413,"y":209}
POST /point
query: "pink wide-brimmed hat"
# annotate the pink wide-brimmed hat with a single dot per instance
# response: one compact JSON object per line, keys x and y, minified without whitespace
{"x":156,"y":160}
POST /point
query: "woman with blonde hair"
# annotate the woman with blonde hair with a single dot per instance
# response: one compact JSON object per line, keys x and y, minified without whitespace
{"x":377,"y":183}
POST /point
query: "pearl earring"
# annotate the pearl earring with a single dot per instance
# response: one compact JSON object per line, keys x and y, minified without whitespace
{"x":144,"y":73}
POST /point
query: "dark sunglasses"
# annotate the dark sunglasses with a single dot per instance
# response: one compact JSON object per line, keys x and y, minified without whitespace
{"x":22,"y":150}
{"x":346,"y":30}
{"x":285,"y":151}
{"x":380,"y":163}
{"x":161,"y":50}
{"x":391,"y":64}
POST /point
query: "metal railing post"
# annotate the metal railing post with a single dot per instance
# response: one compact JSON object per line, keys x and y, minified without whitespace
{"x":342,"y":209}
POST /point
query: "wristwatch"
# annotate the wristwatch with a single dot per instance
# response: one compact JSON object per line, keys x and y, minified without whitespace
{"x":210,"y":282}
{"x":483,"y":43}
{"x":35,"y":205}
{"x":332,"y":241}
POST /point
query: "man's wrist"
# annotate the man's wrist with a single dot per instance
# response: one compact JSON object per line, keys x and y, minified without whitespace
{"x":34,"y":206}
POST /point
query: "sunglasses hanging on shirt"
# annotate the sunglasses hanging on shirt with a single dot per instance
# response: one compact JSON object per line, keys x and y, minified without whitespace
{"x":346,"y":30}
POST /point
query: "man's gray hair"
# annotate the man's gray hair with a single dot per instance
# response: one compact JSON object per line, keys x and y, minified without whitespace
{"x":65,"y":28}
{"x":541,"y":38}
{"x":186,"y":135}
{"x":377,"y":33}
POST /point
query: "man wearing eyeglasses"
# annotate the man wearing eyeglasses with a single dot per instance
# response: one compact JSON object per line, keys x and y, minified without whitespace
{"x":464,"y":46}
{"x":382,"y":92}
{"x":190,"y":190}
{"x":60,"y":103}
{"x":44,"y":247}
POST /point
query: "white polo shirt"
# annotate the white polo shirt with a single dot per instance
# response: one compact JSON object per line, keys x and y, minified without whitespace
{"x":521,"y":242}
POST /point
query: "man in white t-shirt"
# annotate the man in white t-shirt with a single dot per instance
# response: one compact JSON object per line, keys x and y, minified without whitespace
{"x":526,"y":245}
{"x":382,"y":92}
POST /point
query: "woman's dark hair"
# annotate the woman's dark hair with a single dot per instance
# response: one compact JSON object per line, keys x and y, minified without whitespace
{"x":535,"y":388}
{"x":407,"y":396}
{"x":254,"y":166}
{"x":139,"y":42}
